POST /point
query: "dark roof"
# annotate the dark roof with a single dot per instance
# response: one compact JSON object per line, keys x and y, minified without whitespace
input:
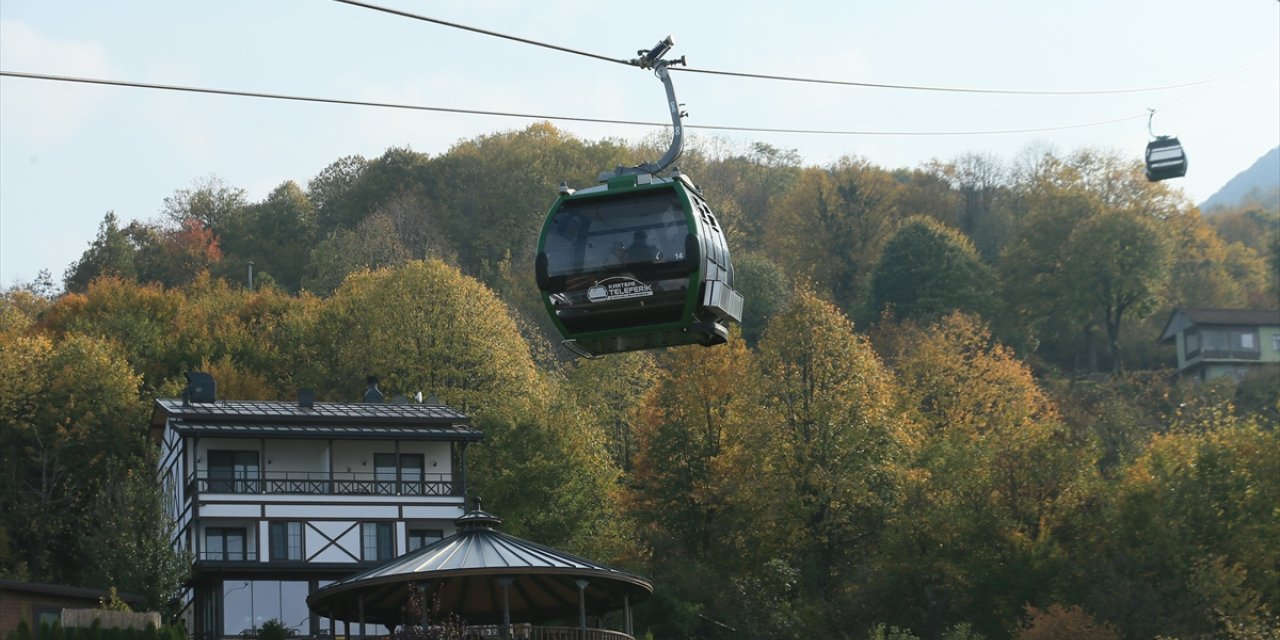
{"x":463,"y":571}
{"x":311,"y":430}
{"x":1233,"y":316}
{"x":1181,"y":319}
{"x":280,"y":410}
{"x":279,"y":418}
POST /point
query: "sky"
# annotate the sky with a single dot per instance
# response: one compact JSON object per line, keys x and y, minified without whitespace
{"x":71,"y":152}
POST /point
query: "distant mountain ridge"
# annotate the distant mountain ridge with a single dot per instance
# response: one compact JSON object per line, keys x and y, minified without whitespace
{"x":1260,"y":183}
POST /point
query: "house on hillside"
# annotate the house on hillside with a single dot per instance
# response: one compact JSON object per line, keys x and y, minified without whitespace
{"x":276,"y":499}
{"x":1216,"y":343}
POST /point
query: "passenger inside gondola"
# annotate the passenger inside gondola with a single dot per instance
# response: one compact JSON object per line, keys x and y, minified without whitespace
{"x":641,"y":251}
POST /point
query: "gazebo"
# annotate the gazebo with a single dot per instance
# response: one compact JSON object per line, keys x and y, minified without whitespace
{"x":496,"y":584}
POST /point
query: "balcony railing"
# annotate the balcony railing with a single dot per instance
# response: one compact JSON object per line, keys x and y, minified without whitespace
{"x":326,"y":483}
{"x":487,"y":632}
{"x":1230,"y":354}
{"x":494,"y":632}
{"x":247,"y":555}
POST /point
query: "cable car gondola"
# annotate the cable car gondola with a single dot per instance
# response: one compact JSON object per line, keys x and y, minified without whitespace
{"x":1164,"y":158}
{"x":638,"y":261}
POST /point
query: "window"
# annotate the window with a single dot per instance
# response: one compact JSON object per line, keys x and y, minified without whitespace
{"x":402,"y":476}
{"x":286,"y":540}
{"x":1275,"y":343}
{"x":1215,"y":340}
{"x":225,"y":543}
{"x":378,"y":542}
{"x":1192,"y":341}
{"x":247,"y":604}
{"x":1248,"y":341}
{"x":233,"y":471}
{"x":419,"y":538}
{"x":47,"y":616}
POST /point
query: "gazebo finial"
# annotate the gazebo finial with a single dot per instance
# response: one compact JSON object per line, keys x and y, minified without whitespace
{"x":477,"y":517}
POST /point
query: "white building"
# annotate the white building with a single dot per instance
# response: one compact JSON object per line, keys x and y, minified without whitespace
{"x":275,"y":499}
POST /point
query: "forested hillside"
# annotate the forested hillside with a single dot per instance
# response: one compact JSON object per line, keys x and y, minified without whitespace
{"x":946,"y":414}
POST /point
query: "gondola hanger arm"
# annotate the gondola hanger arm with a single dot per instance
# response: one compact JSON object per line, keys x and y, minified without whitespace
{"x":652,"y":59}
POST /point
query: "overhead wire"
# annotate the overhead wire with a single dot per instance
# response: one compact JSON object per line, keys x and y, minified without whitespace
{"x":487,"y":32}
{"x":821,"y":81}
{"x":531,"y":116}
{"x":564,"y":118}
{"x":1018,"y":92}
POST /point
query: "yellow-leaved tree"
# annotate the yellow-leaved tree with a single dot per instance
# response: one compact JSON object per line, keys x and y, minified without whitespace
{"x":425,"y":327}
{"x":991,"y":482}
{"x":830,"y":443}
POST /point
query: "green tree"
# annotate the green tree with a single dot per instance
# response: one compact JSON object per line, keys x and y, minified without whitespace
{"x":351,"y":189}
{"x":496,"y":189}
{"x":765,"y":287}
{"x":277,"y":235}
{"x":1189,"y":530}
{"x":741,"y":189}
{"x":210,"y":201}
{"x":1118,"y":263}
{"x":328,"y":189}
{"x":68,"y":409}
{"x":129,"y":545}
{"x":829,"y":227}
{"x":611,"y":390}
{"x":372,"y":245}
{"x":928,"y":270}
{"x":981,"y":186}
{"x":110,"y":254}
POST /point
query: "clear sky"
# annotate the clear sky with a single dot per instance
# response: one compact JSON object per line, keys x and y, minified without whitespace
{"x":71,"y":152}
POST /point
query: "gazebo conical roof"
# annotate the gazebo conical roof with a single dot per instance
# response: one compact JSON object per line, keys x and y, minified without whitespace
{"x":464,"y":575}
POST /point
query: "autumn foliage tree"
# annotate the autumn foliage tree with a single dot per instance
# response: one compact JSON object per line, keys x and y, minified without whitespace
{"x":831,"y":444}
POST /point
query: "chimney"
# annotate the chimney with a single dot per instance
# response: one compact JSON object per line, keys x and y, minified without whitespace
{"x":371,"y":393}
{"x":306,"y":398}
{"x":200,"y":388}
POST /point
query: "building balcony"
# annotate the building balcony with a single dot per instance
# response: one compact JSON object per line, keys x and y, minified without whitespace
{"x":530,"y":632}
{"x":1229,"y":354}
{"x":523,"y":631}
{"x":236,"y":556}
{"x":325,"y":483}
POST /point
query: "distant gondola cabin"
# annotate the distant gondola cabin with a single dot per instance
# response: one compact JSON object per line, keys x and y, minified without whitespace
{"x":1165,"y":159}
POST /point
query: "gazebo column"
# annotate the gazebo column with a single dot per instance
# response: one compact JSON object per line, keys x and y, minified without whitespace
{"x":422,"y":602}
{"x":582,"y":604}
{"x":506,"y":582}
{"x":626,"y":616}
{"x":360,"y":608}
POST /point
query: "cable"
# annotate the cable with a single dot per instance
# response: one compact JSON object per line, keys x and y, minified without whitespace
{"x":279,"y":96}
{"x":1018,"y":92}
{"x":414,"y":16}
{"x":758,"y":76}
{"x":512,"y":114}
